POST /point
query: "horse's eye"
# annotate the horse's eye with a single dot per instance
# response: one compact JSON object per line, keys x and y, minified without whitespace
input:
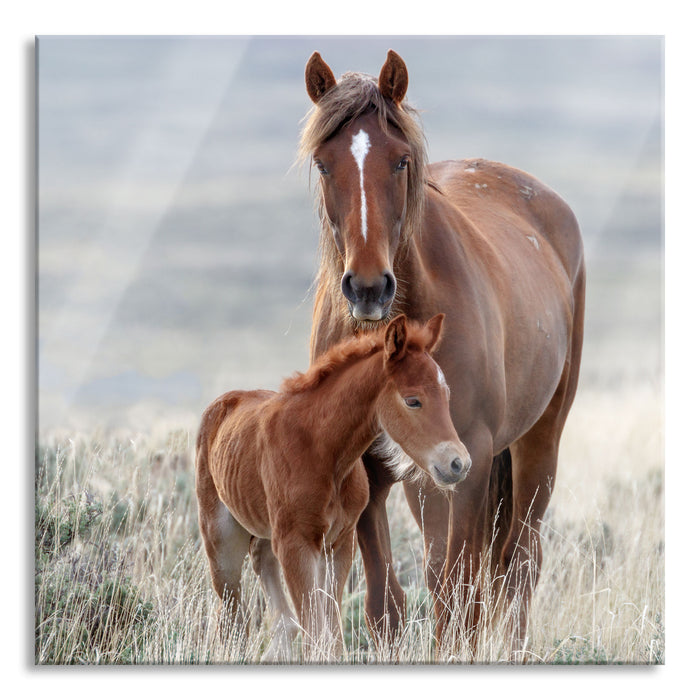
{"x":403,"y":163}
{"x":412,"y":402}
{"x":321,"y":168}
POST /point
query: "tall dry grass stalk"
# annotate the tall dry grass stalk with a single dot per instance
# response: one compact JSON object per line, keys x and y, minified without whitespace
{"x":121,"y":576}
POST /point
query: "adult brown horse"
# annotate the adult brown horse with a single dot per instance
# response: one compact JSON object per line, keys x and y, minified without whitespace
{"x":280,"y":473}
{"x":501,"y":254}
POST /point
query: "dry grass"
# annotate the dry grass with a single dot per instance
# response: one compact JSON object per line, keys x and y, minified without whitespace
{"x":121,"y":576}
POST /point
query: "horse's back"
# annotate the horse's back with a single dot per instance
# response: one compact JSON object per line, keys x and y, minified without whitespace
{"x":489,"y":194}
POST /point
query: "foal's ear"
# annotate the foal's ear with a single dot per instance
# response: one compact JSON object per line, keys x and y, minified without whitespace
{"x":319,"y":77}
{"x":395,"y":339}
{"x":434,"y":326}
{"x":393,"y":80}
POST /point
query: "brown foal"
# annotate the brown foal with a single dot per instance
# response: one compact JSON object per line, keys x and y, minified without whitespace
{"x":280,"y":475}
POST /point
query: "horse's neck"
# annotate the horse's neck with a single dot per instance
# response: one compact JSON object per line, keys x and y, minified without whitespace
{"x":418,"y":260}
{"x":410,"y":268}
{"x":343,"y":408}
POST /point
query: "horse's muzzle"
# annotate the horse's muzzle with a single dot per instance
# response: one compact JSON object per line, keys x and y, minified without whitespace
{"x":369,"y":301}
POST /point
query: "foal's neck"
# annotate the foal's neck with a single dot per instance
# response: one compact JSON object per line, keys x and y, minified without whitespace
{"x":344,"y":409}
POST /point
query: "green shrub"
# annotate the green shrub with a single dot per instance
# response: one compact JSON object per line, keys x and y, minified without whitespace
{"x":55,"y":529}
{"x":86,"y":609}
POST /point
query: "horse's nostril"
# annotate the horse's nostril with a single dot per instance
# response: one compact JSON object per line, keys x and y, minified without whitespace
{"x":389,"y":287}
{"x":347,"y":288}
{"x":456,"y":465}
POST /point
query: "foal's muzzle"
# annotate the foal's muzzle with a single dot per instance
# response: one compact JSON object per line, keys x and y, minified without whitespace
{"x":369,"y":300}
{"x":450,"y":465}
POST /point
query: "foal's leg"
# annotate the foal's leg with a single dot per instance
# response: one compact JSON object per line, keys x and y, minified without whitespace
{"x":226,"y":543}
{"x":385,"y":600}
{"x":316,"y":581}
{"x":285,"y":627}
{"x":304,"y":567}
{"x":343,"y":551}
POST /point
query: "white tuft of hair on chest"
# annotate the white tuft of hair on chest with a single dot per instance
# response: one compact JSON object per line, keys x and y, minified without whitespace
{"x":390,"y":452}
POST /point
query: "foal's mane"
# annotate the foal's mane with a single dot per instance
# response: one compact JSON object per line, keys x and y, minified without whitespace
{"x":356,"y":94}
{"x":350,"y":351}
{"x":344,"y":353}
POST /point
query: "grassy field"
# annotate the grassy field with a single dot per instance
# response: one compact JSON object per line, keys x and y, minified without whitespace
{"x":121,"y":577}
{"x":176,"y":253}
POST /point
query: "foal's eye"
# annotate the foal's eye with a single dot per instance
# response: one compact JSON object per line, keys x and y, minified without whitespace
{"x":403,"y":163}
{"x":412,"y":402}
{"x":321,"y":168}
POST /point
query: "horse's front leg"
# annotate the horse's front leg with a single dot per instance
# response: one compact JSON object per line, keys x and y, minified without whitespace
{"x":385,"y":600}
{"x":467,"y":592}
{"x":453,"y":536}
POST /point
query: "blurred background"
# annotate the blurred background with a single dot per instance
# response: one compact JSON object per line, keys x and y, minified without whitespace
{"x":177,"y":237}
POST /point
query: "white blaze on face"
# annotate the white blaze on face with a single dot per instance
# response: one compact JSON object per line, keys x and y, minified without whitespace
{"x":441,"y":379}
{"x":359,"y":148}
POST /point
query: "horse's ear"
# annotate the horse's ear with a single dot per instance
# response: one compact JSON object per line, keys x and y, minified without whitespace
{"x":395,"y":339}
{"x":319,"y":77}
{"x":393,"y":80}
{"x":434,"y":326}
